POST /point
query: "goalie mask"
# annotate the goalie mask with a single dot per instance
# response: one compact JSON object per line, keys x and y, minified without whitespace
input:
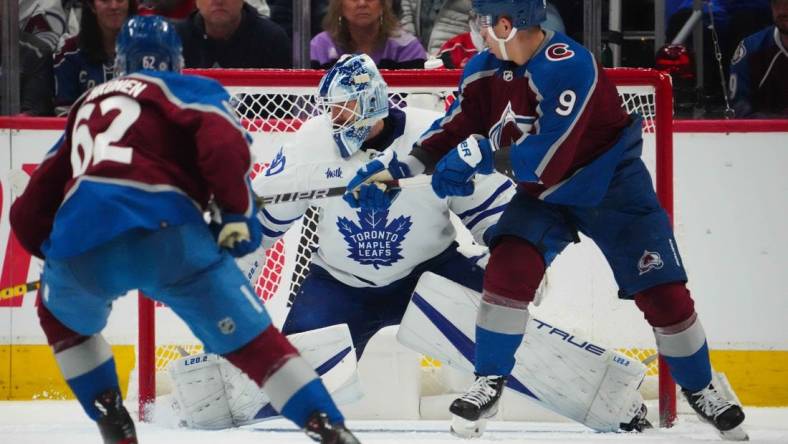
{"x":147,"y":42}
{"x":354,"y":96}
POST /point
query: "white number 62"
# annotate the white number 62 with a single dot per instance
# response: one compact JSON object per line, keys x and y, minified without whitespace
{"x":566,"y":102}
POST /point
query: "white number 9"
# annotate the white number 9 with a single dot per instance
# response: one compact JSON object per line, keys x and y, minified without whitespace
{"x":566,"y":102}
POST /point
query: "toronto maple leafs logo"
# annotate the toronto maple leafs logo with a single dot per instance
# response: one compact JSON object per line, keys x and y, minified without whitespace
{"x":374,"y":241}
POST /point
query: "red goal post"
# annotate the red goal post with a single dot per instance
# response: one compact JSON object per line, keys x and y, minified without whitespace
{"x":274,"y":103}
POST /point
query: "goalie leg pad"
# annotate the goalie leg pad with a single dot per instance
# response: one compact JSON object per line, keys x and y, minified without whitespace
{"x":566,"y":374}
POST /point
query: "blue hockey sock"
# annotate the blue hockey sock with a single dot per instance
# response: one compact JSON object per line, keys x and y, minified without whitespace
{"x":89,"y":369}
{"x":686,"y":353}
{"x":311,"y":398}
{"x":499,"y":332}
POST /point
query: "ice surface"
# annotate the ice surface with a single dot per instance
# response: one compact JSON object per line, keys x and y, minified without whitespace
{"x":63,"y":422}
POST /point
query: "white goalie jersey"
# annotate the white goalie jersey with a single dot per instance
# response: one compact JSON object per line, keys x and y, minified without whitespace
{"x":364,"y":248}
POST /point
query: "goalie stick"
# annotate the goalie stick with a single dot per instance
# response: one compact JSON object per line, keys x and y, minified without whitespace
{"x":322,"y":193}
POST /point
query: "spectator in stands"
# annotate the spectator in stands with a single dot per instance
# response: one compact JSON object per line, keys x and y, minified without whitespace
{"x":456,"y":51}
{"x":759,"y":69}
{"x":435,"y":21}
{"x":35,"y":75}
{"x":369,"y":27}
{"x":180,"y":9}
{"x":88,"y":58}
{"x":232,"y":34}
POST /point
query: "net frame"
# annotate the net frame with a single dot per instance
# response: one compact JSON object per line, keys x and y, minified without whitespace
{"x":631,"y":82}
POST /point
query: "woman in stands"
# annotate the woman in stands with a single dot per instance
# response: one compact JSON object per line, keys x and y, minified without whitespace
{"x":369,"y":27}
{"x":88,"y":59}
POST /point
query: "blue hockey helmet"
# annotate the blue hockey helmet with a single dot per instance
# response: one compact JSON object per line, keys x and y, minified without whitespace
{"x":148,"y":42}
{"x":523,"y":13}
{"x":354,"y":96}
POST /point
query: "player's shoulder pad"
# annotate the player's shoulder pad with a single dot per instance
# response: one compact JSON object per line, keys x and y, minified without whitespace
{"x":561,"y":62}
{"x":483,"y":64}
{"x":420,"y":119}
{"x":313,"y":142}
{"x":190,"y":91}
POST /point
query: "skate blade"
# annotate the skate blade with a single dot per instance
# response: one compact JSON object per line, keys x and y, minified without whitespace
{"x":735,"y":434}
{"x":462,"y":428}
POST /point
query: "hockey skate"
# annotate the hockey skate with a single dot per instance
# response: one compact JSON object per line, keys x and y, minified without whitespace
{"x":639,"y":421}
{"x":115,"y":424}
{"x":320,"y":429}
{"x":714,"y":409}
{"x":479,"y":403}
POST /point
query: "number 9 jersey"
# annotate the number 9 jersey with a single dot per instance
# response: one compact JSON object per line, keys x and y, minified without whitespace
{"x":558,"y":116}
{"x":146,"y":150}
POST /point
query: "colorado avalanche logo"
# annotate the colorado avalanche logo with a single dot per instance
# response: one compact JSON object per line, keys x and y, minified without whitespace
{"x":649,"y":261}
{"x":510,"y":128}
{"x":374,"y":241}
{"x":558,"y":51}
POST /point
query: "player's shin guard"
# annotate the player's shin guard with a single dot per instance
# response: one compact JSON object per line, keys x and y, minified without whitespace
{"x":86,"y":362}
{"x":500,"y":326}
{"x":292,"y":385}
{"x":511,"y":278}
{"x":680,"y":337}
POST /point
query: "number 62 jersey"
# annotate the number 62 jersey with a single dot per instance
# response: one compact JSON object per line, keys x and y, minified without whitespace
{"x":145,"y":150}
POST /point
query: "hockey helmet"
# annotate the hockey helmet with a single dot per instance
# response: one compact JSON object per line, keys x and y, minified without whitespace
{"x":148,"y":42}
{"x":354,"y":96}
{"x":523,"y":13}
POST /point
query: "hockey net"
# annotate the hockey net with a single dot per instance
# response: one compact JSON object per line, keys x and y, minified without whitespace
{"x":273,"y":104}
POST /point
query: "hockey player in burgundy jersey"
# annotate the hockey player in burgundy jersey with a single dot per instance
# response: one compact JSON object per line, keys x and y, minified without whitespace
{"x":538,"y":107}
{"x":117,"y":204}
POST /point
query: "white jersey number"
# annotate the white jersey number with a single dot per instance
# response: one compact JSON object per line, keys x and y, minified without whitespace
{"x":566,"y":102}
{"x":101,"y":147}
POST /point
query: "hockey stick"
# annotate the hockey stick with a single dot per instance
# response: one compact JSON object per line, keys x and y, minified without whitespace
{"x":290,"y":196}
{"x":19,"y":290}
{"x":322,"y":193}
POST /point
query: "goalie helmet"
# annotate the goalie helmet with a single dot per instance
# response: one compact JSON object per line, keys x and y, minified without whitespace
{"x":148,"y":42}
{"x":354,"y":96}
{"x":523,"y":13}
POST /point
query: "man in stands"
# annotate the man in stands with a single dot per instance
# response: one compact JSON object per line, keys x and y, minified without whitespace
{"x":759,"y":69}
{"x":232,"y":34}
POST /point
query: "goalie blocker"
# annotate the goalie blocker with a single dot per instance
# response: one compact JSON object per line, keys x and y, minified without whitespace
{"x":575,"y":378}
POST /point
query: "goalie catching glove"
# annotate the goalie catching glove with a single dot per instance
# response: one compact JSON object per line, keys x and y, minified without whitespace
{"x":367,"y":190}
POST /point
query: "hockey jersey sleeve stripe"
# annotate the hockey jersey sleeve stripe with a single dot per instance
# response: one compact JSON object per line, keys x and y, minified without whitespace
{"x":578,"y":115}
{"x":489,"y":201}
{"x":276,"y":221}
{"x":485,"y":214}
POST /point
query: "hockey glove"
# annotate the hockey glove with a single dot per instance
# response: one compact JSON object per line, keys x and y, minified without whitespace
{"x":237,"y":233}
{"x":453,"y":173}
{"x":367,"y":190}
